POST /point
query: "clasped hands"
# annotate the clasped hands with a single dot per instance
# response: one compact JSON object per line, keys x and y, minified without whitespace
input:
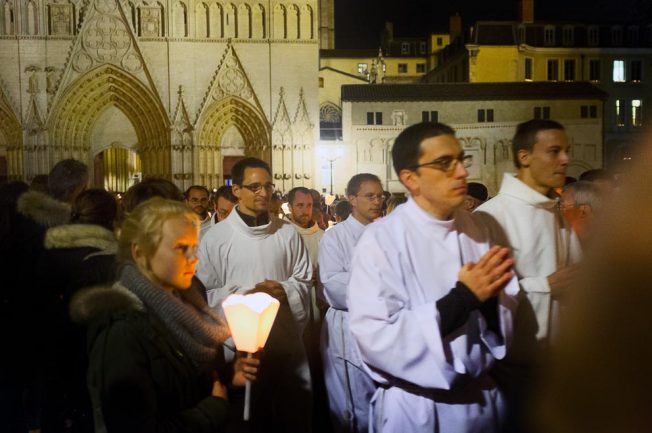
{"x":488,"y":276}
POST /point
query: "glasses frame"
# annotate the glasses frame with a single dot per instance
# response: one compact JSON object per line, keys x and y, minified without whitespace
{"x":464,"y":159}
{"x":258,"y":187}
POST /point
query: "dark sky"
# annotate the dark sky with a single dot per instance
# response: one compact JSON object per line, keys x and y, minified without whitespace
{"x":358,"y":22}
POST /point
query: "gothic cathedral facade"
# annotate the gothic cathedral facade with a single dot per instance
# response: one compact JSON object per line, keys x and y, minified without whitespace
{"x":179,"y":89}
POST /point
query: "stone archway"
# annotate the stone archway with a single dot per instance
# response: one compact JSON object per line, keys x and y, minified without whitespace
{"x":75,"y":116}
{"x":11,"y":143}
{"x":220,"y":119}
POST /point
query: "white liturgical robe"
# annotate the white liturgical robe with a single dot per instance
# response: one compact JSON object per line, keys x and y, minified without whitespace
{"x":349,"y":388}
{"x":542,"y":243}
{"x":430,"y":382}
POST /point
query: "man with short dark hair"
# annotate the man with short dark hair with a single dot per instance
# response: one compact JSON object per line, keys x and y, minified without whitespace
{"x":224,"y":203}
{"x":349,"y":387}
{"x":342,"y":211}
{"x":430,"y":300}
{"x":197,"y":199}
{"x":525,"y":215}
{"x":249,"y":251}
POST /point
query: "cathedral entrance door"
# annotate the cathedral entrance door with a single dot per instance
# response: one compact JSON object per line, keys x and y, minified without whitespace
{"x":116,"y":169}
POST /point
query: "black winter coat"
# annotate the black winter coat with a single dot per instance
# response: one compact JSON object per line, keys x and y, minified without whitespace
{"x":139,"y":378}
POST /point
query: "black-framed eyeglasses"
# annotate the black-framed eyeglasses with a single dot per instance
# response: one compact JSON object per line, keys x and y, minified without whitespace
{"x":373,"y":197}
{"x":446,"y":164}
{"x":257,"y":187}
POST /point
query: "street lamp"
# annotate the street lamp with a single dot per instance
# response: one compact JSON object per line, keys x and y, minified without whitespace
{"x":331,"y":157}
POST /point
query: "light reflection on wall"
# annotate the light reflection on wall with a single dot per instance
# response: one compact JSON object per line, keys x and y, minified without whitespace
{"x":120,"y":165}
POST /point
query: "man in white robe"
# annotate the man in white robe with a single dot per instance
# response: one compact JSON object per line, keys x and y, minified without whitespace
{"x":249,"y":250}
{"x":197,"y":199}
{"x":430,"y":300}
{"x":525,"y":215}
{"x":349,"y":387}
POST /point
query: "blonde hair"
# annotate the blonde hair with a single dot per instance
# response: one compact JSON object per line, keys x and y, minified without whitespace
{"x":144,"y":225}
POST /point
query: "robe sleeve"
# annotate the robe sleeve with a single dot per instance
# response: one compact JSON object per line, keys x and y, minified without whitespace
{"x":297,"y":286}
{"x":209,"y":271}
{"x":332,"y":271}
{"x":394,"y":339}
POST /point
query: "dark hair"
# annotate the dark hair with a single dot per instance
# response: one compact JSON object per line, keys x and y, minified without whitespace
{"x":526,"y":135}
{"x":237,"y":172}
{"x":478,"y":191}
{"x":190,"y":188}
{"x":95,"y":206}
{"x":39,"y":183}
{"x":407,"y":147}
{"x":226,"y":192}
{"x":596,"y":174}
{"x":353,"y":187}
{"x":65,"y":178}
{"x":295,"y":190}
{"x":343,"y":209}
{"x":151,"y":187}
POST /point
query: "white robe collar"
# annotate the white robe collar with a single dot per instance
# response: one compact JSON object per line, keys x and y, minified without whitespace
{"x":421,"y":217}
{"x":258,"y":232}
{"x":516,"y":188}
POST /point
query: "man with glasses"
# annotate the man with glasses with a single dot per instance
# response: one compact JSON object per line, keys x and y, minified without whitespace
{"x":349,"y":387}
{"x":224,"y":203}
{"x":430,"y":299}
{"x":251,"y":252}
{"x":525,"y":214}
{"x":197,"y":199}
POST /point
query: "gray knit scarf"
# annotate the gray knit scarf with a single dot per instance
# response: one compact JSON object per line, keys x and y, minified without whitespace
{"x":185,"y":314}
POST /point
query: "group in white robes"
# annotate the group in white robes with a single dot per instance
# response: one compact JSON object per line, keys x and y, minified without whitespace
{"x":233,"y":258}
{"x":428,"y":382}
{"x":348,"y":386}
{"x":542,"y":243}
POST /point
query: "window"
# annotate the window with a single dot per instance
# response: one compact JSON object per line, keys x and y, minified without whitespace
{"x":528,"y":69}
{"x":637,"y":119}
{"x":619,"y":71}
{"x":569,"y":69}
{"x":402,"y":68}
{"x":632,"y":35}
{"x":588,"y":111}
{"x":440,"y":42}
{"x":405,"y":48}
{"x":363,"y":68}
{"x":521,"y":34}
{"x":549,"y":35}
{"x":594,"y":36}
{"x":594,"y":70}
{"x":616,"y":36}
{"x":568,"y":35}
{"x":635,"y":70}
{"x":620,"y":112}
{"x":421,"y":68}
{"x":422,"y":48}
{"x":321,"y":83}
{"x":430,"y":116}
{"x":485,"y":115}
{"x":542,"y":112}
{"x":374,"y":118}
{"x":553,"y":70}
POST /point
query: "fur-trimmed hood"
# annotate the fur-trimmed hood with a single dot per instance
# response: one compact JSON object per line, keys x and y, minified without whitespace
{"x":102,"y":301}
{"x":81,"y":235}
{"x":43,"y":209}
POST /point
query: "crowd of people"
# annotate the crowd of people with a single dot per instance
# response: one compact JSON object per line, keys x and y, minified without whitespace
{"x":439,"y":310}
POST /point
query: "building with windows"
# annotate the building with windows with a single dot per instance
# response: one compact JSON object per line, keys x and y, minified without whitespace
{"x":179,"y":89}
{"x":484,"y":115}
{"x":615,"y":58}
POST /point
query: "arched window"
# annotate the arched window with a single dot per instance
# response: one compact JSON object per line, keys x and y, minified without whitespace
{"x":8,"y":18}
{"x":279,"y":22}
{"x":244,"y":21}
{"x":201,"y":20}
{"x":292,"y":22}
{"x":258,"y":22}
{"x":230,"y":30}
{"x":215,"y":24}
{"x":330,"y":122}
{"x":180,"y":20}
{"x":32,"y":17}
{"x":306,"y":23}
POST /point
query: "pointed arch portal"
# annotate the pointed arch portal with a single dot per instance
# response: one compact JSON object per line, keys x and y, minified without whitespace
{"x":78,"y":113}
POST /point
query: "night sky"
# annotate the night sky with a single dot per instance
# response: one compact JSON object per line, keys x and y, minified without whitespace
{"x":358,"y":23}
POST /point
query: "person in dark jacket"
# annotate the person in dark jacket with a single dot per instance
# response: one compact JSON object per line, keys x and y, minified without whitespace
{"x":154,"y":345}
{"x":64,"y":267}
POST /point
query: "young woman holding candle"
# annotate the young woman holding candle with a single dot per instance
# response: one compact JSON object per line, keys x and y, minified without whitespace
{"x":154,"y":346}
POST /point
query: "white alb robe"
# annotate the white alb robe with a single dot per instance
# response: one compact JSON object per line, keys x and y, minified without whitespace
{"x":349,"y":388}
{"x":542,"y":243}
{"x":401,"y":266}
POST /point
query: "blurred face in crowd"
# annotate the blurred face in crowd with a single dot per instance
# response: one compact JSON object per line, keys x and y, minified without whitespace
{"x":255,"y":192}
{"x":198,"y":201}
{"x":544,"y":168}
{"x":438,"y":185}
{"x":301,"y":209}
{"x":173,"y":263}
{"x":367,"y":204}
{"x":223,"y":208}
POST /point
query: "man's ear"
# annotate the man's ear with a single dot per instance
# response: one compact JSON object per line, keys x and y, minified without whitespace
{"x":236,"y":190}
{"x":408,"y":179}
{"x":523,"y":157}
